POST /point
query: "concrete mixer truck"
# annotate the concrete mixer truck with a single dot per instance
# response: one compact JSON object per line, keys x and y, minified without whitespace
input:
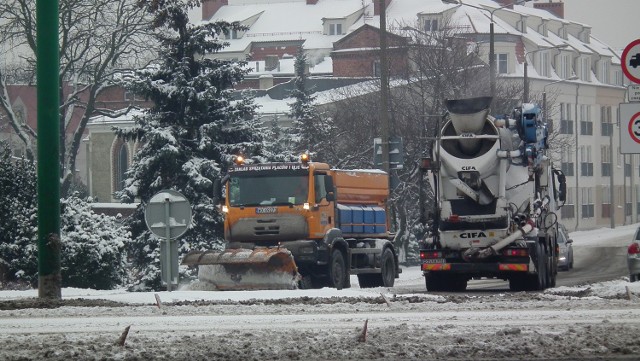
{"x":495,"y":197}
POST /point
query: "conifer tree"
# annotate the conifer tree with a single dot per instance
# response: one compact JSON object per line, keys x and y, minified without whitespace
{"x":18,"y":212}
{"x":189,"y":136}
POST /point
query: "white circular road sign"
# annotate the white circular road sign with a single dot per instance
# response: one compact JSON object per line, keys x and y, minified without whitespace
{"x":631,"y":61}
{"x":168,"y":214}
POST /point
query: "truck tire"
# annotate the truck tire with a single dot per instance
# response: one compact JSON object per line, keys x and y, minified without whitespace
{"x":387,"y":268}
{"x":538,"y":281}
{"x":435,"y":282}
{"x":387,"y":275}
{"x":337,"y":270}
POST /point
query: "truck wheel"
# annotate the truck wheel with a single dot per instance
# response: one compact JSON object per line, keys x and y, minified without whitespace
{"x":434,"y":282}
{"x":388,"y":269}
{"x":518,"y":283}
{"x":337,"y":270}
{"x":552,"y":269}
{"x":539,"y":280}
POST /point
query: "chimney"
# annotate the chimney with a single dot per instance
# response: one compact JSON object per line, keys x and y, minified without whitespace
{"x":556,"y":8}
{"x":508,"y":4}
{"x":271,"y":62}
{"x":210,"y":7}
{"x":266,"y":81}
{"x":376,"y":6}
{"x":312,"y":2}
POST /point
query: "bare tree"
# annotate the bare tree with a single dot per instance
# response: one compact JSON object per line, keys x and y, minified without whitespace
{"x":99,"y":39}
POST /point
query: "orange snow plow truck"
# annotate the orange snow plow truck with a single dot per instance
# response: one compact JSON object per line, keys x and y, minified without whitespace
{"x":301,"y":225}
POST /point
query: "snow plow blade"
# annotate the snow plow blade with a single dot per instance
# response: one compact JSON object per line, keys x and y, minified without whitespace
{"x":246,"y":269}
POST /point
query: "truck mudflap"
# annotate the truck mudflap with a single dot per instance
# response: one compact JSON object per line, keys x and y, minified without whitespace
{"x":245,"y":269}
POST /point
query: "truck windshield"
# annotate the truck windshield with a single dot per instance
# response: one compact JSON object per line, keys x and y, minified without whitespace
{"x":268,"y":190}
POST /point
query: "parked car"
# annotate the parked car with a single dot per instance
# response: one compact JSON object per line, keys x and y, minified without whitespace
{"x":565,"y":251}
{"x":633,"y":257}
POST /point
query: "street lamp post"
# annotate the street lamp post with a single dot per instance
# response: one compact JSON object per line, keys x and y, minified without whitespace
{"x":492,"y":60}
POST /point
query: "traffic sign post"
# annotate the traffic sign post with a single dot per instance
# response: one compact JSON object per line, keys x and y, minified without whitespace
{"x":629,"y":128}
{"x":631,"y":61}
{"x":168,"y":216}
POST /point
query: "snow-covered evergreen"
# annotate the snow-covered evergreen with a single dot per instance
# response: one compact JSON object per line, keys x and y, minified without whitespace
{"x":18,"y":215}
{"x":93,"y":254}
{"x":188,"y":138}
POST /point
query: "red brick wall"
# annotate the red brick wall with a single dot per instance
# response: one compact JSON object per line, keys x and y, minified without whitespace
{"x":360,"y":63}
{"x":209,"y":7}
{"x":376,"y":6}
{"x":365,"y":44}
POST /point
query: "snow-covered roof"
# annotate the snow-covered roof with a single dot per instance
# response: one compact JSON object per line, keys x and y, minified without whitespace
{"x":295,"y":20}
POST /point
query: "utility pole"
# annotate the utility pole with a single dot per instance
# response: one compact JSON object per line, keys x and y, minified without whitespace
{"x":48,"y":64}
{"x":384,"y":88}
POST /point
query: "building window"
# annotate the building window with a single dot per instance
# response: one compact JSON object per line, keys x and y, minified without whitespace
{"x":564,"y":66}
{"x":566,"y":163}
{"x":585,"y":69}
{"x":604,"y":72}
{"x":21,"y":116}
{"x":430,"y":25}
{"x":606,"y":202}
{"x":606,"y":168}
{"x":587,"y":203}
{"x":586,"y":125}
{"x":606,"y":126}
{"x":231,"y":34}
{"x":544,"y":64}
{"x":121,"y":166}
{"x":502,"y":65}
{"x":376,"y":68}
{"x":566,"y":124}
{"x":627,"y":167}
{"x":567,"y":211}
{"x":617,"y":75}
{"x":586,"y":164}
{"x":335,"y":29}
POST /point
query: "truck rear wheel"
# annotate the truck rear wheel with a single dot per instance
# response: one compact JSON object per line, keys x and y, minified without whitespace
{"x":337,"y":270}
{"x":387,"y":275}
{"x":538,"y":281}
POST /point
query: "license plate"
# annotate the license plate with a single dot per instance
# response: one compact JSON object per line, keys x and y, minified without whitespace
{"x":265,"y":210}
{"x":434,"y":260}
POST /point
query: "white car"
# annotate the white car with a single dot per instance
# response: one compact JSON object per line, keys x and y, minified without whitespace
{"x":565,"y":249}
{"x":633,"y":257}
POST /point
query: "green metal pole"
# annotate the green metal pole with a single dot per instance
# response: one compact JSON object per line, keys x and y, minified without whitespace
{"x":48,"y":63}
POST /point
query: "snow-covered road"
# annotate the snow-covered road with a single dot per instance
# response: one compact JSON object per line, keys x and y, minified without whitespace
{"x":596,"y":321}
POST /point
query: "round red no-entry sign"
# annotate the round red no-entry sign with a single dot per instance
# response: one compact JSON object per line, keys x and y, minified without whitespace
{"x":631,"y":61}
{"x":634,"y":127}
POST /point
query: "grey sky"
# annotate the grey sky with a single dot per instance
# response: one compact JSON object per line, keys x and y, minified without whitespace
{"x":615,"y":22}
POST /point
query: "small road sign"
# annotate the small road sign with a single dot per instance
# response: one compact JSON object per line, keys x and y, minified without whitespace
{"x":629,"y":128}
{"x":631,"y":61}
{"x":634,"y":92}
{"x":168,"y":216}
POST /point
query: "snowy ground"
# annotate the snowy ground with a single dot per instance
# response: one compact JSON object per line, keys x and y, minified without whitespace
{"x":598,"y":321}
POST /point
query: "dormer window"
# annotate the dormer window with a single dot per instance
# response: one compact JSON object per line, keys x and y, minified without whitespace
{"x":562,"y":32}
{"x":231,"y":34}
{"x":335,"y":29}
{"x":522,"y":25}
{"x":430,"y":25}
{"x":543,"y":29}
